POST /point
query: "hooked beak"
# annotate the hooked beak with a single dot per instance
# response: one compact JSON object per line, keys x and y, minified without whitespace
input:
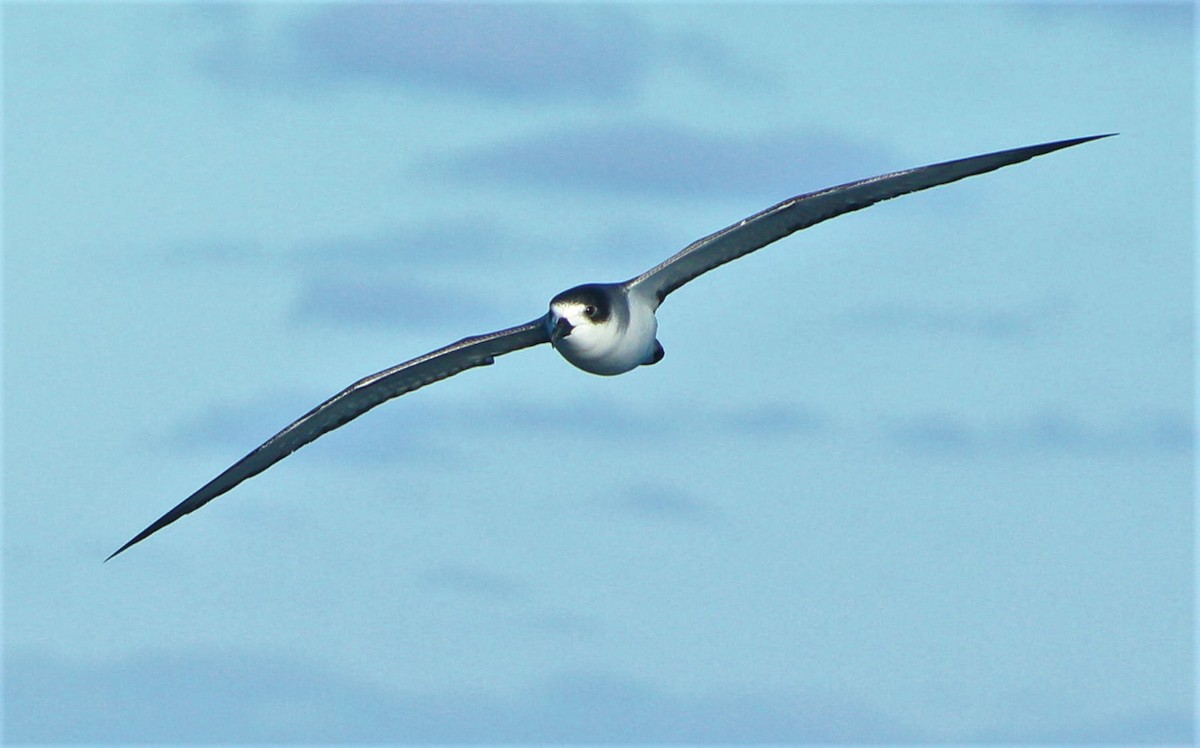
{"x":562,"y":328}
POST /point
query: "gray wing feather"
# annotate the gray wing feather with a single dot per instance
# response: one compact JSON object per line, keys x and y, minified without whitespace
{"x":803,"y":211}
{"x":352,"y":402}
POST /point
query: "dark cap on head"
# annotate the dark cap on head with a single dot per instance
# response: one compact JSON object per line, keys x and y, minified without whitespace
{"x":596,"y":297}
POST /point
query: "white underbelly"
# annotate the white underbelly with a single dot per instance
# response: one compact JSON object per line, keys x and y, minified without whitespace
{"x":609,"y":351}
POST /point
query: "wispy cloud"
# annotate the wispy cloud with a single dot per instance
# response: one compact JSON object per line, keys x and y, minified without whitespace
{"x":235,"y":425}
{"x":665,"y":504}
{"x":222,"y":250}
{"x":601,"y":707}
{"x":477,"y":583}
{"x":372,"y":302}
{"x":393,"y":280}
{"x":560,"y":624}
{"x":1045,"y":433}
{"x":232,"y":426}
{"x":509,"y":51}
{"x":1154,"y":19}
{"x":226,"y":425}
{"x":600,"y":417}
{"x":224,"y":696}
{"x":1152,"y":728}
{"x":501,"y":51}
{"x":468,"y":238}
{"x":676,"y":160}
{"x":997,"y":323}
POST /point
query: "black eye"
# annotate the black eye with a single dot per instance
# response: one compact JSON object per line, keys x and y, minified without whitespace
{"x":589,"y":311}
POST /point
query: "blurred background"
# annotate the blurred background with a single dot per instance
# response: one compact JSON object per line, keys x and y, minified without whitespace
{"x":923,"y":473}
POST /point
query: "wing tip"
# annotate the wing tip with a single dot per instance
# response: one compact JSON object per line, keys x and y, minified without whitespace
{"x":1056,"y":145}
{"x":1088,"y":138}
{"x":118,"y":552}
{"x":136,"y":539}
{"x":1079,"y":141}
{"x":157,"y":525}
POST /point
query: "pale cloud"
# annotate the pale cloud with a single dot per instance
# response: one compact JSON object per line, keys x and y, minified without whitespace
{"x":1145,"y":18}
{"x":666,"y":504}
{"x":472,"y":582}
{"x":663,"y":158}
{"x":538,"y":53}
{"x":468,"y":238}
{"x":227,"y":696}
{"x":368,"y":301}
{"x":1046,"y":433}
{"x":509,"y":51}
{"x":236,"y":696}
{"x":408,"y":433}
{"x":1006,"y":323}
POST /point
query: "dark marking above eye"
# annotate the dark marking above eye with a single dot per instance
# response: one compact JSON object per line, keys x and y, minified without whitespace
{"x":595,"y":298}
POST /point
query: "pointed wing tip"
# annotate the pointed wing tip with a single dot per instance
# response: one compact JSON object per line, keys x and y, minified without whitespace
{"x":125,"y":547}
{"x":1067,"y":143}
{"x":1084,"y":139}
{"x":159,"y":524}
{"x":1058,"y":145}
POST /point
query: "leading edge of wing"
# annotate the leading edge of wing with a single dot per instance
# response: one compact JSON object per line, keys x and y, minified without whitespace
{"x":352,"y":402}
{"x":802,"y":211}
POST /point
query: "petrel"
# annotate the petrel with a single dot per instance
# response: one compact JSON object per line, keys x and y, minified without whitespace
{"x":602,"y":328}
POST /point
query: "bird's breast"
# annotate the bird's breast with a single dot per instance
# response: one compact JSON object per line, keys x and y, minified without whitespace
{"x":626,"y":342}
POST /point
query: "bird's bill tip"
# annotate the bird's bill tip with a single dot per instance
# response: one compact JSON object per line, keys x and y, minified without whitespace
{"x":562,"y":328}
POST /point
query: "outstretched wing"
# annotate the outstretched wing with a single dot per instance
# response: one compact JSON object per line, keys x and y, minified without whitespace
{"x":352,"y":402}
{"x":803,"y":211}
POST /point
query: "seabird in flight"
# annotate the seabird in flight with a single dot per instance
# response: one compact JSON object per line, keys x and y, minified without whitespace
{"x":602,"y":328}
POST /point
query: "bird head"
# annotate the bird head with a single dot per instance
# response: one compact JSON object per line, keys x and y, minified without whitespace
{"x":579,"y":313}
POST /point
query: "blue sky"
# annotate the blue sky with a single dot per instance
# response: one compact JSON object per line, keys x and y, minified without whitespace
{"x":919,"y":474}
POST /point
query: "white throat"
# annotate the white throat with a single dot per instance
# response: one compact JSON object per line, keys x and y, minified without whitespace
{"x":623,"y":339}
